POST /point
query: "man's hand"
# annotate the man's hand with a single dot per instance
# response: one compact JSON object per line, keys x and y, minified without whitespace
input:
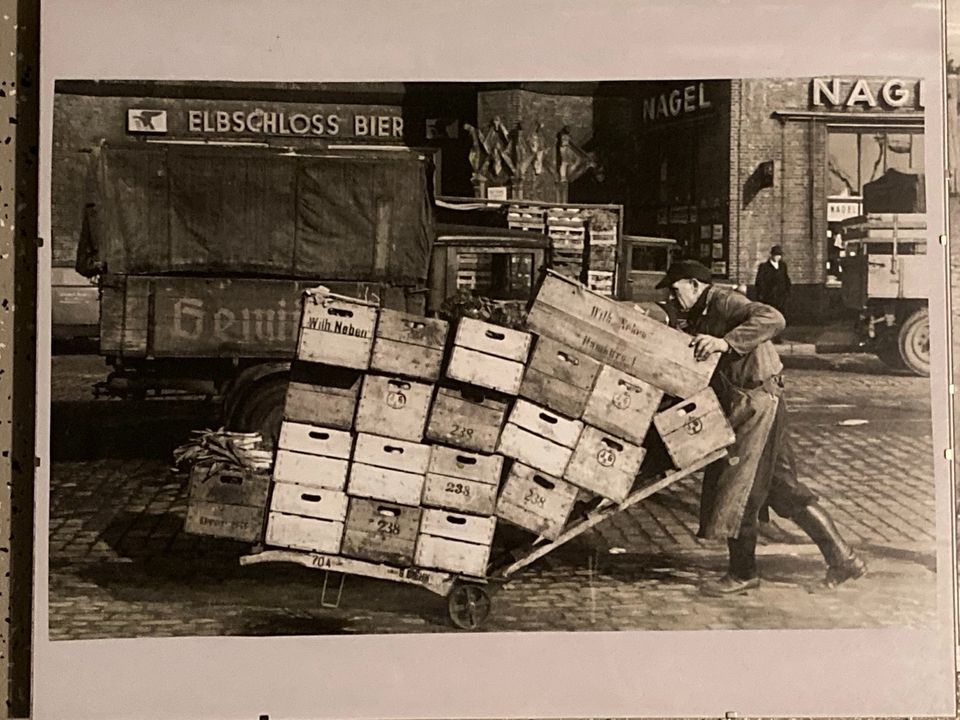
{"x":706,"y":345}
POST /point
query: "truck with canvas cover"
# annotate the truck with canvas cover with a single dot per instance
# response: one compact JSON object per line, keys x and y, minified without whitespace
{"x":886,"y":272}
{"x":203,"y":253}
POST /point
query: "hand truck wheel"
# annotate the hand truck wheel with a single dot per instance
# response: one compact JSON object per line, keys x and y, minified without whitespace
{"x":468,"y":605}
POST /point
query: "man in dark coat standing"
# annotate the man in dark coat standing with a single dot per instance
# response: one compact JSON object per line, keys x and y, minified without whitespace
{"x":773,"y":280}
{"x":759,"y":470}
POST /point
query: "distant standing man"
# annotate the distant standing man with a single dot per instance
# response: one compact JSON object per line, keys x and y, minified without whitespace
{"x":773,"y":280}
{"x":759,"y":470}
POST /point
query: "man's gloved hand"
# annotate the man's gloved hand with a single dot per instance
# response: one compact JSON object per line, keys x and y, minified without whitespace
{"x":706,"y":345}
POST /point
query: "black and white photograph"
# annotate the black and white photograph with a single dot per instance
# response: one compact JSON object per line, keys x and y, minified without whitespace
{"x":496,"y":361}
{"x":425,"y":357}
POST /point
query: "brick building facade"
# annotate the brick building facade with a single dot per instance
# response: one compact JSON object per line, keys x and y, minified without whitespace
{"x":725,"y":167}
{"x":730,"y":168}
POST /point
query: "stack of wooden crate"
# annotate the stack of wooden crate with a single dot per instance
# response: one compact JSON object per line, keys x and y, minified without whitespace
{"x":403,"y":443}
{"x":601,"y":275}
{"x":567,"y":230}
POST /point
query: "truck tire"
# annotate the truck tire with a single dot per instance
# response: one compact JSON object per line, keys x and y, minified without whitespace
{"x":888,"y":350}
{"x":261,"y":409}
{"x":913,"y":342}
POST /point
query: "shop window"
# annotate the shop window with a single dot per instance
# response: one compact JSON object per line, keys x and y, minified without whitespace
{"x":844,"y":164}
{"x":856,"y":157}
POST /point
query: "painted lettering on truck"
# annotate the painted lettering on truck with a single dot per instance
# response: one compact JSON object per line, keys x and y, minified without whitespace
{"x":194,"y":319}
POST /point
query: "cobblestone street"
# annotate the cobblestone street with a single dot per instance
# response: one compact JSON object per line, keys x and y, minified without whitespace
{"x":120,"y":564}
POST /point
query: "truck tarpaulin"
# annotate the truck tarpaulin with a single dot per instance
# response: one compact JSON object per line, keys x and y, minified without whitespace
{"x":252,"y":211}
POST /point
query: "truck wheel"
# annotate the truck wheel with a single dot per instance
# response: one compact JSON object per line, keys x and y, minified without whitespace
{"x":914,"y":343}
{"x":261,"y":409}
{"x":888,"y":351}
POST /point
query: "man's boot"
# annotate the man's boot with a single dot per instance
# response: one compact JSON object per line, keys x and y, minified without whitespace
{"x":842,"y":562}
{"x":742,"y":575}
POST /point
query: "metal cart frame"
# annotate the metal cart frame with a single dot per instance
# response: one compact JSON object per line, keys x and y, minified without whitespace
{"x":469,"y":599}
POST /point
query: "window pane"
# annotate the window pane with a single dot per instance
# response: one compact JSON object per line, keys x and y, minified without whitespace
{"x":898,"y":151}
{"x":916,"y":154}
{"x":843,"y":164}
{"x":871,"y":157}
{"x":649,"y":258}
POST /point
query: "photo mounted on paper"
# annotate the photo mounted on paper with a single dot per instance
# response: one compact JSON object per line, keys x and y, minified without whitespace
{"x":404,"y":357}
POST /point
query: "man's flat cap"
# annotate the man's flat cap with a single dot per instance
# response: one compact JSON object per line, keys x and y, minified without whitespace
{"x":683,"y":270}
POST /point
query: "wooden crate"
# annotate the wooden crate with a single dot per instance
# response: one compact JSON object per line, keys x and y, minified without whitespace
{"x":393,"y":407}
{"x":315,"y":440}
{"x":381,"y":483}
{"x":600,"y":282}
{"x":545,"y":423}
{"x":391,"y":453}
{"x":619,"y":335}
{"x":459,"y":494}
{"x":467,"y":417}
{"x":233,"y":522}
{"x":534,"y":450}
{"x":694,"y":428}
{"x":229,"y":487}
{"x":337,"y":330}
{"x":310,"y":470}
{"x":457,"y":526}
{"x":604,"y":464}
{"x":536,"y":501}
{"x":559,"y":377}
{"x":381,"y":531}
{"x":493,"y":339}
{"x":452,"y":555}
{"x":320,"y":504}
{"x":409,"y":345}
{"x":489,"y":356}
{"x":486,"y":371}
{"x":455,"y":462}
{"x":322,"y":395}
{"x":622,"y":405}
{"x":304,"y":533}
{"x":228,"y":504}
{"x":462,"y":481}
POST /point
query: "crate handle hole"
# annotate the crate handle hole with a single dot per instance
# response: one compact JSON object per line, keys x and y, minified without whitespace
{"x":628,"y":386}
{"x":565,"y":357}
{"x":687,"y":409}
{"x":612,"y":444}
{"x":393,"y":449}
{"x":388,"y":511}
{"x":340,"y":312}
{"x":317,"y":435}
{"x":414,"y":325}
{"x":307,"y":497}
{"x":466,"y":460}
{"x":495,"y":335}
{"x":543,"y":482}
{"x":454,"y":520}
{"x":231,"y":479}
{"x":400,"y":384}
{"x":548,"y":418}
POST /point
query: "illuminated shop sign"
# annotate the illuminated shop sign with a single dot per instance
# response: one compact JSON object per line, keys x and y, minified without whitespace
{"x":863,"y":93}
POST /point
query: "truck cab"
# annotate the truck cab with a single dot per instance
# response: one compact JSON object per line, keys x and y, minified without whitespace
{"x":497,"y":263}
